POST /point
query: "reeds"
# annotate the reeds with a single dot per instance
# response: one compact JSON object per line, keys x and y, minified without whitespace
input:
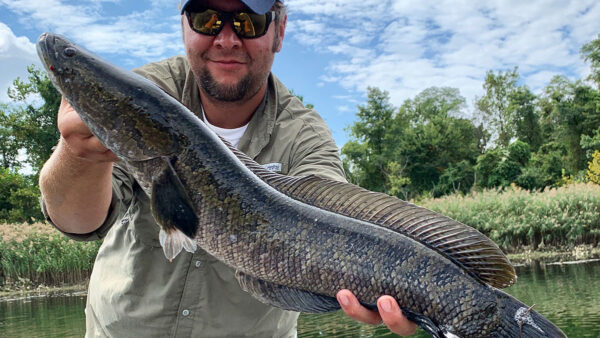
{"x":516,"y":219}
{"x":39,"y":254}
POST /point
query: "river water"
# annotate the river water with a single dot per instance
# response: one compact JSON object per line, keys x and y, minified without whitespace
{"x":567,"y":294}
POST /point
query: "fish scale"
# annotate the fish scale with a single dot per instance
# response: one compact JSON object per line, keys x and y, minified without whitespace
{"x":347,"y":271}
{"x":294,"y":242}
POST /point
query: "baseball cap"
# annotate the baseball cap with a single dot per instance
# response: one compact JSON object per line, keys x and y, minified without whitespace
{"x":257,"y":6}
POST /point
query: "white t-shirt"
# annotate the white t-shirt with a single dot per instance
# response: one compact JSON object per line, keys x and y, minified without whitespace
{"x":233,"y":136}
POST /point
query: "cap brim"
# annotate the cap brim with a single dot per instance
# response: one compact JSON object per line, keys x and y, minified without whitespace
{"x":258,"y":7}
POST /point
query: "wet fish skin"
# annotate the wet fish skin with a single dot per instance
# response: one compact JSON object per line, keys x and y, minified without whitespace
{"x":267,"y":235}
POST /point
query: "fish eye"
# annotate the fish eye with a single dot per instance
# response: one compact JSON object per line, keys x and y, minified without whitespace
{"x":69,"y":51}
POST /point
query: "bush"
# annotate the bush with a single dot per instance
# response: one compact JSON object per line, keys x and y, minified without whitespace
{"x":593,"y":172}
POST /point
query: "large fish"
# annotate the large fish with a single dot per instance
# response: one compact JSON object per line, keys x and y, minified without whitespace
{"x":294,"y":242}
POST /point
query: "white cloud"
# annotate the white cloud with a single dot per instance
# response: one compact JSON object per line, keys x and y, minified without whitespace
{"x":345,"y":109}
{"x":134,"y":36}
{"x":405,"y":47}
{"x":148,"y":34}
{"x":16,"y":53}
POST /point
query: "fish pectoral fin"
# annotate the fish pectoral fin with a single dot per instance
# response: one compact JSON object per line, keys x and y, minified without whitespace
{"x":172,"y":208}
{"x":171,"y":243}
{"x":286,"y":298}
{"x":426,"y":324}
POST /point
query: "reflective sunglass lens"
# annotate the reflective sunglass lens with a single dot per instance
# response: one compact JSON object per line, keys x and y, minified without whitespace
{"x":250,"y":25}
{"x":207,"y":22}
{"x":246,"y":25}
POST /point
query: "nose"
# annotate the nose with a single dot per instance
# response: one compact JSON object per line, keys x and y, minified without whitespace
{"x":227,"y":39}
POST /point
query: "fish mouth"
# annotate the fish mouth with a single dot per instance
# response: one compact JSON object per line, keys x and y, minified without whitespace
{"x":45,"y":45}
{"x":46,"y":49}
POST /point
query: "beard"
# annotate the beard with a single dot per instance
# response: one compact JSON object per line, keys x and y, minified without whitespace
{"x":244,"y":89}
{"x":220,"y":92}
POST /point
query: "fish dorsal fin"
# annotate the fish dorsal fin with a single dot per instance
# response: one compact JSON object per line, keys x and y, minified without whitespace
{"x":462,"y":244}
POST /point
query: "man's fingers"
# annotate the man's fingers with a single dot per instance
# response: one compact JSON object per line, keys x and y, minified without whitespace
{"x":354,"y":310}
{"x":78,"y":138}
{"x":89,"y":148}
{"x":392,"y":316}
{"x":69,"y":122}
{"x":389,"y":313}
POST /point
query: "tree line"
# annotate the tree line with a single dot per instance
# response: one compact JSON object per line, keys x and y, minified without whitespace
{"x":426,"y":147}
{"x":28,"y":132}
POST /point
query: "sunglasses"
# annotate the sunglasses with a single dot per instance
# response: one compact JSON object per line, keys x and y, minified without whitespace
{"x":246,"y":25}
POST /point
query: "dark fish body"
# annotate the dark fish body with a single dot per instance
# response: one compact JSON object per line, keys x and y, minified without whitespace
{"x":294,"y":241}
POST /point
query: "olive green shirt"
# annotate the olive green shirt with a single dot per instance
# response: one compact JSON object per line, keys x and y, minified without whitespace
{"x":134,"y":291}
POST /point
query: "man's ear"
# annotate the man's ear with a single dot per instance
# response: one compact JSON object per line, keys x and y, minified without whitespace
{"x":281,"y":28}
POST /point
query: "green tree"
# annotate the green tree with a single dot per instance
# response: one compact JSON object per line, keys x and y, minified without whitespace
{"x":19,"y":197}
{"x":483,"y":137}
{"x":9,"y":144}
{"x":591,"y":53}
{"x":486,"y":169}
{"x":434,"y":102}
{"x":519,"y":152}
{"x":34,"y":126}
{"x":570,"y":111}
{"x":457,"y":178}
{"x":28,"y":124}
{"x":494,"y":105}
{"x":545,"y":168}
{"x":424,"y":146}
{"x":591,"y":144}
{"x":434,"y":139}
{"x":523,"y":109}
{"x":367,"y":154}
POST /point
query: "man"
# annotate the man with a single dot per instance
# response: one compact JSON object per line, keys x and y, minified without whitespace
{"x":225,"y":79}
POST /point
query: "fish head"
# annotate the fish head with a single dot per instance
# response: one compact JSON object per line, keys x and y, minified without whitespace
{"x":117,"y":106}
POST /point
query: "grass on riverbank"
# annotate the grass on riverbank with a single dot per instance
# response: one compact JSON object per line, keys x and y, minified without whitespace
{"x":519,"y":220}
{"x":37,"y":254}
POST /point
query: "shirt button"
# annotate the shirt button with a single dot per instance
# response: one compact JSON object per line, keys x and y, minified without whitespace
{"x":185,"y":313}
{"x":198,"y":263}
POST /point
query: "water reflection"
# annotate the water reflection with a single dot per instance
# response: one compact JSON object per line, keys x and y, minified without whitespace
{"x":567,"y":294}
{"x":43,"y":317}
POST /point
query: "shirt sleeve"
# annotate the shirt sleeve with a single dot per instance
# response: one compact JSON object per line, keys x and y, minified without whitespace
{"x":121,"y":198}
{"x":165,"y":74}
{"x":315,"y":152}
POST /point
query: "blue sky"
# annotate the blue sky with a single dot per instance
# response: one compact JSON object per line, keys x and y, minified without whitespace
{"x":333,"y":50}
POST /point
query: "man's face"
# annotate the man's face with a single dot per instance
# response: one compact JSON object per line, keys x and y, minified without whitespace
{"x":227,"y":67}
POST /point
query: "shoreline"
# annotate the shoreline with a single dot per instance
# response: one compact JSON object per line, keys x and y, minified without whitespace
{"x":578,"y":254}
{"x":19,"y":293}
{"x":554,"y":255}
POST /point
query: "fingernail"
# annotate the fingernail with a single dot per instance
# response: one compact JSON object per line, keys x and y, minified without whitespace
{"x":386,"y":305}
{"x":344,"y":300}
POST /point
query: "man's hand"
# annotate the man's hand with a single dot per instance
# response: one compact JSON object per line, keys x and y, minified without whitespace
{"x":78,"y":138}
{"x":76,"y":180}
{"x":389,"y":313}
